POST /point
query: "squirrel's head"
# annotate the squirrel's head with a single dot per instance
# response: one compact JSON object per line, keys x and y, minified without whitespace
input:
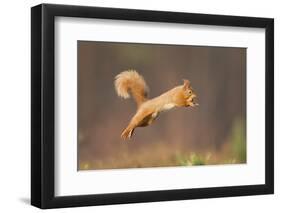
{"x":189,"y":95}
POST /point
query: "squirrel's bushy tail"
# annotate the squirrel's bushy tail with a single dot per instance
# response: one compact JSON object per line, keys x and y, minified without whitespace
{"x":131,"y":81}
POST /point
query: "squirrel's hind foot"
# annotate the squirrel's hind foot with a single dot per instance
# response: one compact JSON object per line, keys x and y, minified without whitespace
{"x":127,"y":134}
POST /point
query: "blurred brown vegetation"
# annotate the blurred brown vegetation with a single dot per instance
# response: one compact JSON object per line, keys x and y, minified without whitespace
{"x":212,"y":133}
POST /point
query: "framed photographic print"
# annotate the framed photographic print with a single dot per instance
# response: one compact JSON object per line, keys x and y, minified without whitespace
{"x":139,"y":106}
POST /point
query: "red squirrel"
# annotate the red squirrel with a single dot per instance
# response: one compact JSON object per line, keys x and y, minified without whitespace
{"x":131,"y":82}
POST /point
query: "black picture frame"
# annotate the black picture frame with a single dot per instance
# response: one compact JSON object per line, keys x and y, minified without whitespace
{"x":43,"y":102}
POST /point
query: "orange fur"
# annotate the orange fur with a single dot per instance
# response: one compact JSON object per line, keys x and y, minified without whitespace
{"x":149,"y":109}
{"x":131,"y":81}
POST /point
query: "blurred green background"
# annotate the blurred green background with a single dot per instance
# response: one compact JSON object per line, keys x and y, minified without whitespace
{"x":212,"y":133}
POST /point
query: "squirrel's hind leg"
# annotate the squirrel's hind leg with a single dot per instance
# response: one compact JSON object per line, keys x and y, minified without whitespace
{"x":141,"y":118}
{"x":127,"y":133}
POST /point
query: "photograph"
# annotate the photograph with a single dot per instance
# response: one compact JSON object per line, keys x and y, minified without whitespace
{"x":138,"y":105}
{"x":144,"y":105}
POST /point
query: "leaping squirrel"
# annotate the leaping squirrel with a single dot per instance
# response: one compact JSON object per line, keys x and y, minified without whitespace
{"x":148,"y":109}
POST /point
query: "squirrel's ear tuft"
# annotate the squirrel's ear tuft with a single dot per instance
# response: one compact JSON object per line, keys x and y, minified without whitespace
{"x":186,"y":84}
